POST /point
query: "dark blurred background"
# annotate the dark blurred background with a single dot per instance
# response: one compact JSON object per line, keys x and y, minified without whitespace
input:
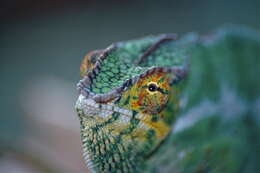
{"x":42,"y":44}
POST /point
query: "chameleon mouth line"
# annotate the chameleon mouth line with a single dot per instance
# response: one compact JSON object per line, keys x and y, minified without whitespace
{"x":90,"y":107}
{"x":102,"y":107}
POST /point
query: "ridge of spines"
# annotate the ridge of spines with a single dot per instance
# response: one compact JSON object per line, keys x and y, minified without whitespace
{"x":82,"y":86}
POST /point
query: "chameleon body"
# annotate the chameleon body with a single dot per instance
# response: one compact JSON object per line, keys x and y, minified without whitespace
{"x":131,"y":92}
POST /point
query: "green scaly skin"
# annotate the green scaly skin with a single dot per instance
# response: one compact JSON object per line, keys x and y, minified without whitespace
{"x":131,"y":92}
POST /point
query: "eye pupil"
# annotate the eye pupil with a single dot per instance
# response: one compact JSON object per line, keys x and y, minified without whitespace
{"x":152,"y":87}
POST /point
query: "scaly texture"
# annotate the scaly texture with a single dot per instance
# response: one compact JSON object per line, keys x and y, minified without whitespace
{"x":127,"y":105}
{"x":219,"y":127}
{"x":131,"y":92}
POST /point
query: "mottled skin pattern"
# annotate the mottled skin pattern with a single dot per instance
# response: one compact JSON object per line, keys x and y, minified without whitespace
{"x":141,"y":109}
{"x":132,"y":93}
{"x":150,"y":96}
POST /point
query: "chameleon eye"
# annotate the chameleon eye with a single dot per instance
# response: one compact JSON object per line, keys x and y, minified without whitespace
{"x":152,"y":87}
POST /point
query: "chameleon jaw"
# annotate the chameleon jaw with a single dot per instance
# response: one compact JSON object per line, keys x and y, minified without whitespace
{"x":89,"y":107}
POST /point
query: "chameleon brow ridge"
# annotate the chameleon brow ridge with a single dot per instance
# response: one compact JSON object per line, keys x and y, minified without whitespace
{"x":88,"y":77}
{"x":179,"y":72}
{"x":164,"y":38}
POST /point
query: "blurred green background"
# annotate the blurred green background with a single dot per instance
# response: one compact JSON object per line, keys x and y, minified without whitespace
{"x":42,"y":44}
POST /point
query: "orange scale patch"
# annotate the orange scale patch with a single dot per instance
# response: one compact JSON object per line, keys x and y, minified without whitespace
{"x":141,"y":96}
{"x":165,"y":85}
{"x":135,"y":105}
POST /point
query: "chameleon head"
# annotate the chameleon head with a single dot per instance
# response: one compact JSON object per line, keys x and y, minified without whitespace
{"x":125,"y":109}
{"x":131,"y":125}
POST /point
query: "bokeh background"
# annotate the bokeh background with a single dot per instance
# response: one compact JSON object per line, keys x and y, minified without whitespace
{"x":41,"y":46}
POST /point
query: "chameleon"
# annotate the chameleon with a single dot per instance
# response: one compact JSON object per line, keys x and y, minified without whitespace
{"x":134,"y":94}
